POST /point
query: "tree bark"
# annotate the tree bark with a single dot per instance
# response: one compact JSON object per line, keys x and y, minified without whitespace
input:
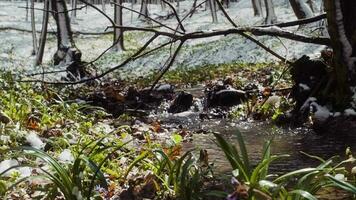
{"x":341,"y":17}
{"x":43,"y":36}
{"x":257,"y":7}
{"x":301,"y":9}
{"x":118,"y":32}
{"x":271,"y":17}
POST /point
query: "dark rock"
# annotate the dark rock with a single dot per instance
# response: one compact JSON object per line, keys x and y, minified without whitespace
{"x":225,"y":98}
{"x":4,"y":118}
{"x":164,"y":88}
{"x":181,"y":103}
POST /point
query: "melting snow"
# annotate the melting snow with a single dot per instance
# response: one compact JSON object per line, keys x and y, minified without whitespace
{"x":66,"y":156}
{"x":321,"y":113}
{"x":33,"y":139}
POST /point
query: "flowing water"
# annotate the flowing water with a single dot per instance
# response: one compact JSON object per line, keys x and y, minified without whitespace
{"x":290,"y":142}
{"x":284,"y":141}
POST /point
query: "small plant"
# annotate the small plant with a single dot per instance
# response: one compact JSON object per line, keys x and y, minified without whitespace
{"x":240,"y":162}
{"x":299,"y":184}
{"x":74,"y":181}
{"x":176,"y":176}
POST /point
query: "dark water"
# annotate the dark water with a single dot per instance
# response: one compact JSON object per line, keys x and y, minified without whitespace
{"x":284,"y":142}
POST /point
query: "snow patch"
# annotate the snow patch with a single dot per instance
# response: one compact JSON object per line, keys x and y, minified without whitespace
{"x":6,"y":164}
{"x":35,"y":141}
{"x":350,"y":112}
{"x":304,"y":87}
{"x":321,"y":113}
{"x":66,"y":156}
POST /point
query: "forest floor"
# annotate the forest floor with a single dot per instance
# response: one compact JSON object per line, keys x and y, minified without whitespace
{"x":17,"y":46}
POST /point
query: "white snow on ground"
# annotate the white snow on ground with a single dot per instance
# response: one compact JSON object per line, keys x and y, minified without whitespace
{"x":6,"y":164}
{"x":66,"y":156}
{"x":321,"y":113}
{"x":16,"y":46}
{"x":35,"y":141}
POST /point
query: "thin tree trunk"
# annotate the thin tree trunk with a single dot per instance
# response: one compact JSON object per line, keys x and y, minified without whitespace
{"x":27,"y":10}
{"x":144,"y":9}
{"x":118,"y":33}
{"x":301,"y":9}
{"x":43,"y":36}
{"x":74,"y":11}
{"x":312,"y":6}
{"x":103,"y":5}
{"x":33,"y":26}
{"x":257,"y":7}
{"x":212,"y":6}
{"x":271,"y":17}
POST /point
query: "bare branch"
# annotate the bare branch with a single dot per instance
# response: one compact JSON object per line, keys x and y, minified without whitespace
{"x":146,"y":16}
{"x":176,"y":14}
{"x":166,"y":68}
{"x":298,"y":22}
{"x":131,"y":58}
{"x":269,"y":50}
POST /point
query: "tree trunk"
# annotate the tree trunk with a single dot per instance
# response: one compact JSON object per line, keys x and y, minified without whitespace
{"x":312,"y":6}
{"x":301,"y":9}
{"x":118,"y":32}
{"x":212,"y":6}
{"x":257,"y":7}
{"x":271,"y":17}
{"x":103,"y":7}
{"x":144,"y":9}
{"x":43,"y":36}
{"x":341,"y":17}
{"x":74,"y":11}
{"x":33,"y":26}
{"x":67,"y":53}
{"x":27,"y":10}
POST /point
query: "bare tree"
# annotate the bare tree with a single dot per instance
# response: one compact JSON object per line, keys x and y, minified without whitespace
{"x":301,"y":9}
{"x":143,"y":9}
{"x":271,"y":16}
{"x":74,"y":10}
{"x":103,"y":7}
{"x":67,"y":53}
{"x":257,"y":7}
{"x":33,"y":26}
{"x":212,"y":5}
{"x":27,"y":10}
{"x":311,"y":4}
{"x":118,"y":32}
{"x":43,"y":35}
